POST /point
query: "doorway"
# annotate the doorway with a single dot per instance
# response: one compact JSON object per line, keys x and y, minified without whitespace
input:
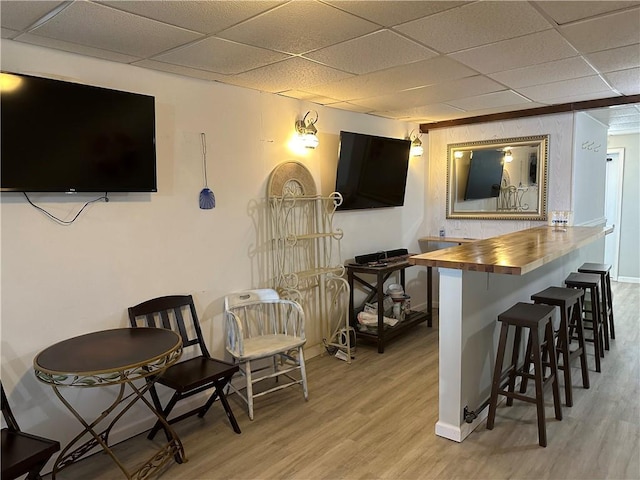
{"x":612,"y":207}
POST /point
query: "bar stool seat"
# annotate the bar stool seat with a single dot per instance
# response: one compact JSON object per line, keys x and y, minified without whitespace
{"x":538,"y":320}
{"x":569,"y":300}
{"x":606,"y":309}
{"x":590,"y":284}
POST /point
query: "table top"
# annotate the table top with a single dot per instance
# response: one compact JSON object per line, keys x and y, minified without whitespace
{"x":514,"y":253}
{"x":108,"y":356}
{"x":384,"y":266}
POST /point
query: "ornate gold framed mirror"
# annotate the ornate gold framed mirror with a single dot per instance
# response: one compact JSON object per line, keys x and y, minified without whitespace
{"x":503,"y":179}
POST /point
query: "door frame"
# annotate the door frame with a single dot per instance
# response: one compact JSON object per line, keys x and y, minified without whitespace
{"x":618,"y":201}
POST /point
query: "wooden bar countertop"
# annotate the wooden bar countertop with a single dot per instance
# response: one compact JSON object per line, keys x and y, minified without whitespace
{"x":514,"y":253}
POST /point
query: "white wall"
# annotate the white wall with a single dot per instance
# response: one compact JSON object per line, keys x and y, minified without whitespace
{"x":589,"y":170}
{"x":558,"y":127}
{"x":629,"y":267}
{"x":62,"y":281}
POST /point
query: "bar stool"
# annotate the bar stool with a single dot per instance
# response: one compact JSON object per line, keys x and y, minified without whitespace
{"x":569,"y":300}
{"x":537,"y":319}
{"x":590,"y":284}
{"x":603,"y":269}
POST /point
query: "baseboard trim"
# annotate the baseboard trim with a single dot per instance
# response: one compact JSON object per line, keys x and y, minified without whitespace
{"x":628,"y":279}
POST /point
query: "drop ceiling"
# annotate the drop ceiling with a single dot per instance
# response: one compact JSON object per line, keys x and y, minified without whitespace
{"x":416,"y":61}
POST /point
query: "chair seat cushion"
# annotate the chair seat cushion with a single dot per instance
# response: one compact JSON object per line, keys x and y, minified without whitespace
{"x":266,"y":345}
{"x":22,"y":451}
{"x":195,"y":372}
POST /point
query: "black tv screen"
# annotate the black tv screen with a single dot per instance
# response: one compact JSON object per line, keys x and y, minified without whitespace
{"x":485,"y":174}
{"x":372,"y":171}
{"x":66,"y":137}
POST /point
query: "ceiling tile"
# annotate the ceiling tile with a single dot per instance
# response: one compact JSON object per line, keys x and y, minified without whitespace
{"x":610,"y":31}
{"x":418,"y":74}
{"x":475,"y":24}
{"x":308,"y":97}
{"x":351,"y":107}
{"x":489,"y":111}
{"x":627,"y":82}
{"x":8,"y":33}
{"x":616,"y":58}
{"x":76,"y":48}
{"x":102,"y":27}
{"x":323,"y":100}
{"x":565,"y":88}
{"x":427,"y":113}
{"x":18,"y":15}
{"x":178,"y":70}
{"x":489,"y":100}
{"x":401,"y":11}
{"x":294,"y":74}
{"x":581,"y":97}
{"x":621,"y":111}
{"x":620,"y":119}
{"x":299,"y":27}
{"x":221,"y":56}
{"x":300,"y":95}
{"x":386,"y":114}
{"x":432,"y":94}
{"x":555,"y":71}
{"x":569,"y":11}
{"x":200,"y":16}
{"x":354,"y":56}
{"x":517,"y":52}
{"x":624,"y":129}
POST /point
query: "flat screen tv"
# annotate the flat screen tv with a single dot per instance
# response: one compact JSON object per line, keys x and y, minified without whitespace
{"x":372,"y":171}
{"x":485,"y":174}
{"x":66,"y":137}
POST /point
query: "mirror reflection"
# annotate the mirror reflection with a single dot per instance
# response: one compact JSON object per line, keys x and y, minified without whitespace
{"x":498,"y":179}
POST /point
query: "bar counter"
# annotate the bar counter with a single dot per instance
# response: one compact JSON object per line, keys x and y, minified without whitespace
{"x":478,"y":281}
{"x":514,"y":253}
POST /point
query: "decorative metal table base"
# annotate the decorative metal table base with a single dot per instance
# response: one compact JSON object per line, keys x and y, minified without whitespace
{"x":112,"y":358}
{"x":67,"y":457}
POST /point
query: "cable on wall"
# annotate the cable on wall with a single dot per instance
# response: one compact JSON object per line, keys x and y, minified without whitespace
{"x":59,"y":220}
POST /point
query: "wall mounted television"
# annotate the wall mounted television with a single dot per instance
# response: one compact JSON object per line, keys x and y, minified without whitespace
{"x":66,"y":137}
{"x":485,"y":174}
{"x":372,"y":171}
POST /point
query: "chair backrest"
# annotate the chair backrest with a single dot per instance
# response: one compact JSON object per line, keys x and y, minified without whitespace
{"x":174,"y":312}
{"x":262,"y":312}
{"x":247,"y":297}
{"x":7,"y":414}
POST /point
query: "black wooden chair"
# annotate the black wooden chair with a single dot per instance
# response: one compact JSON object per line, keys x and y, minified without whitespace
{"x":22,"y":452}
{"x":188,"y":377}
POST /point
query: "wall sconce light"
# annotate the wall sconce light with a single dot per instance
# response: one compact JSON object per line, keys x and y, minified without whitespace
{"x":9,"y":83}
{"x":307,"y":131}
{"x":508,"y":157}
{"x":416,"y":145}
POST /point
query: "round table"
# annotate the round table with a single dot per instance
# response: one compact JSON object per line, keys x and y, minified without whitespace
{"x":107,"y":358}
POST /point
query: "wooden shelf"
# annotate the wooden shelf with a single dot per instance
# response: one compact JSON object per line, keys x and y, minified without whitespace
{"x":412,"y":318}
{"x":376,"y":291}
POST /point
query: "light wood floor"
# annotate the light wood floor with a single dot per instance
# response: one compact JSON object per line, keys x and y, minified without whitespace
{"x":375,"y":419}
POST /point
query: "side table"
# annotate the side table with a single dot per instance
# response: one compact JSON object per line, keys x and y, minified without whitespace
{"x":106,"y":358}
{"x":376,"y":291}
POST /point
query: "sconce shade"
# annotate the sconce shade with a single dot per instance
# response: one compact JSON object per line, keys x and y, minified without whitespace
{"x":416,"y":145}
{"x":508,"y":157}
{"x":307,"y":131}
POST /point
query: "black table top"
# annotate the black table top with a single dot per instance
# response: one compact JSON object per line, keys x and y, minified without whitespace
{"x":107,"y":351}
